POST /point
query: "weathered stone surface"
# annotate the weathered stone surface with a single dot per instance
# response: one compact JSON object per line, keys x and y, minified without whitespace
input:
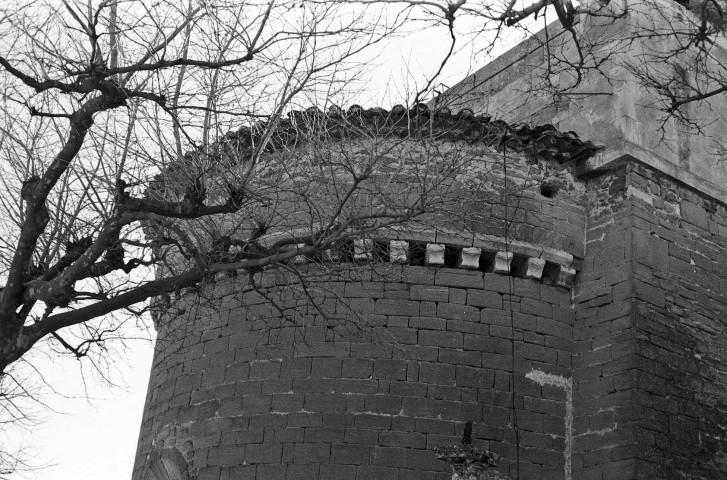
{"x":434,"y":254}
{"x":399,"y":251}
{"x":614,"y":287}
{"x":637,"y":336}
{"x":502,"y":262}
{"x":469,"y":258}
{"x":363,"y":249}
{"x":534,"y":268}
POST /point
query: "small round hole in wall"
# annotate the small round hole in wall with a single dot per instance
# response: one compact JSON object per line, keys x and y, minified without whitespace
{"x":548,"y":190}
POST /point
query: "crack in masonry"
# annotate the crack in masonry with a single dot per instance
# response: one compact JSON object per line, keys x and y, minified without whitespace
{"x":542,"y":378}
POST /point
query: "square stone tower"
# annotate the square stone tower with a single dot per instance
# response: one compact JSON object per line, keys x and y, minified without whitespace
{"x":649,"y":373}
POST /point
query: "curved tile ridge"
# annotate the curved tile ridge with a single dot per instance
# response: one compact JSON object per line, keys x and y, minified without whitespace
{"x":544,"y":141}
{"x":449,"y":249}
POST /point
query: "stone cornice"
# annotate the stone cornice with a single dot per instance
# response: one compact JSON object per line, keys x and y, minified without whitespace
{"x":452,"y":249}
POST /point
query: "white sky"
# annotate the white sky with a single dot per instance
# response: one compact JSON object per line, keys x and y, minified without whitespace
{"x":94,"y":436}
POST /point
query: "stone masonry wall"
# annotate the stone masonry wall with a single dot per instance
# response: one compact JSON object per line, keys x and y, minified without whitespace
{"x":680,"y":319}
{"x":651,"y":396}
{"x":395,"y":353}
{"x":621,"y":377}
{"x":603,"y":362}
{"x":311,"y":401}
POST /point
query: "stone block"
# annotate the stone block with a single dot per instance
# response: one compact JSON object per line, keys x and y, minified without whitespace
{"x":417,"y":274}
{"x":326,"y":367}
{"x":402,"y":439}
{"x":356,"y":385}
{"x":256,"y":404}
{"x":416,"y":234}
{"x":213,"y":473}
{"x":467,"y":327}
{"x":368,"y":472}
{"x":383,"y":404}
{"x":265,"y":370}
{"x":270,"y":472}
{"x":428,"y":323}
{"x":287,"y":402}
{"x":453,"y":311}
{"x":332,"y":255}
{"x":454,"y":237}
{"x":695,"y":214}
{"x":407,"y":389}
{"x":536,"y":307}
{"x":300,"y":259}
{"x":282,"y":385}
{"x":441,"y":339}
{"x":375,"y":422}
{"x":565,"y":277}
{"x":397,"y":307}
{"x":216,"y":345}
{"x":350,"y":454}
{"x":459,"y":278}
{"x":437,"y":373}
{"x":458,"y":295}
{"x":396,"y":291}
{"x":312,"y":452}
{"x":434,"y":425}
{"x":336,"y":472}
{"x":649,"y":293}
{"x":497,"y":361}
{"x":363,"y":249}
{"x":534,"y":268}
{"x":498,"y":283}
{"x":434,"y":255}
{"x":242,"y":437}
{"x":399,"y":251}
{"x":388,"y":456}
{"x":357,"y":368}
{"x":313,"y":385}
{"x":295,"y":367}
{"x":474,"y":378}
{"x":364,"y":289}
{"x":362,"y":436}
{"x":429,"y":292}
{"x":502,"y":262}
{"x":406,"y":474}
{"x":469,"y":258}
{"x":523,"y":287}
{"x":480,"y":298}
{"x":263,"y":453}
{"x":650,"y":250}
{"x":302,"y":472}
{"x":390,"y":369}
{"x":324,"y":435}
{"x":489,"y":243}
{"x":226,"y":455}
{"x":429,"y":309}
{"x":305,"y":419}
{"x":457,"y":357}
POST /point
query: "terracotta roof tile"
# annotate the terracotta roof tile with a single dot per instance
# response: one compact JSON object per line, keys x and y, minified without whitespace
{"x":543,"y":141}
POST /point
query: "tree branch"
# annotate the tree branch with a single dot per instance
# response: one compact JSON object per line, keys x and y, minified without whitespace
{"x":35,"y":192}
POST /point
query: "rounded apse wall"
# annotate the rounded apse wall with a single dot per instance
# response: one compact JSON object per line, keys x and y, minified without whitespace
{"x":253,"y":396}
{"x":241,"y":390}
{"x":393,"y":345}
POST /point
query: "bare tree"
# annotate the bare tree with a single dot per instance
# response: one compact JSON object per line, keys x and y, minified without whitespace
{"x":117,"y":168}
{"x":100,"y":97}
